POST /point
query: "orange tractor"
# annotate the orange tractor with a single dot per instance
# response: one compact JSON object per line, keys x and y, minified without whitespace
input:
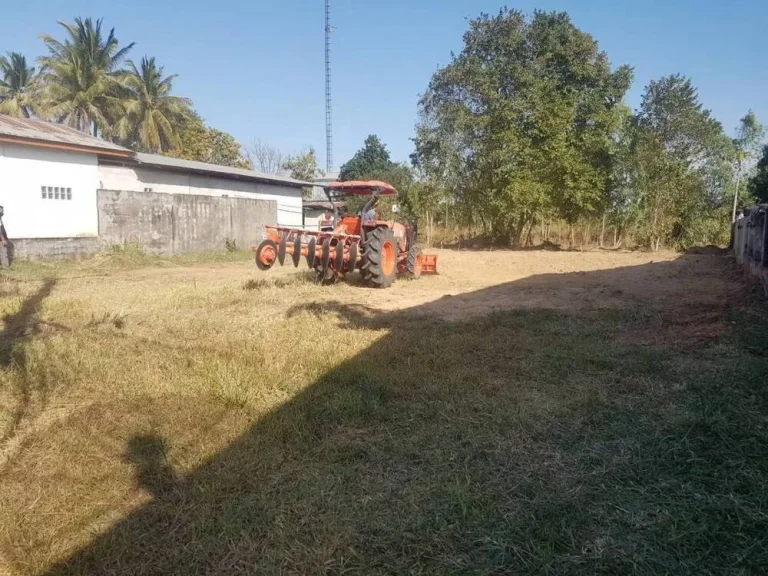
{"x":380,"y":249}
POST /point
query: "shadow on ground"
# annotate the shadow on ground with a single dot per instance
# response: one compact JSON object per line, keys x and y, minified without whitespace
{"x":18,"y":329}
{"x":538,"y":441}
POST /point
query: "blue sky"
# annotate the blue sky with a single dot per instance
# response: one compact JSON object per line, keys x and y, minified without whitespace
{"x":254,"y":68}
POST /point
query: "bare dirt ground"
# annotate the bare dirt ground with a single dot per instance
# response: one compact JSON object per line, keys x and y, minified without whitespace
{"x":689,"y":296}
{"x":497,"y":280}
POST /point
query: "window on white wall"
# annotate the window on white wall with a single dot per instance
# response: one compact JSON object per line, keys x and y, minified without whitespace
{"x":55,"y":193}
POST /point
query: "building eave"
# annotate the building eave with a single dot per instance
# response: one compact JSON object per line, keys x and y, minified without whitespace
{"x":66,"y":147}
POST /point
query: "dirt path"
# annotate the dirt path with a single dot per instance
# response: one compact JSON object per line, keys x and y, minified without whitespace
{"x":472,"y":283}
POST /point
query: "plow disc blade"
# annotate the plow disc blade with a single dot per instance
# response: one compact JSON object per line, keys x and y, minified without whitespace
{"x":338,"y":263}
{"x":296,"y":251}
{"x":311,"y":247}
{"x":326,"y":256}
{"x":281,"y":248}
{"x":350,"y":267}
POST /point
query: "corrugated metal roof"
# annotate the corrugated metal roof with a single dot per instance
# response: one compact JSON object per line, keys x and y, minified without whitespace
{"x":204,"y":168}
{"x":42,"y":131}
{"x":47,"y":132}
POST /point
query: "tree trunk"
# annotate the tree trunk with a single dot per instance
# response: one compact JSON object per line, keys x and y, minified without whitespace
{"x":529,"y":237}
{"x":517,"y":239}
{"x":573,"y":241}
{"x":615,"y":235}
{"x":736,"y":195}
{"x":586,"y":236}
{"x":431,"y":228}
{"x":602,"y":231}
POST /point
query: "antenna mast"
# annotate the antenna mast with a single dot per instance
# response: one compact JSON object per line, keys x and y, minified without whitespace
{"x":328,"y":102}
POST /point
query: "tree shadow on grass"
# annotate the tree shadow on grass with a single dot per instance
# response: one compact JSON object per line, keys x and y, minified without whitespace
{"x":18,"y":329}
{"x":535,"y":441}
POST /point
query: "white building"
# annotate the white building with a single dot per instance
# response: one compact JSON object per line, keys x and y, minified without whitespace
{"x":50,"y":175}
{"x":162,"y":174}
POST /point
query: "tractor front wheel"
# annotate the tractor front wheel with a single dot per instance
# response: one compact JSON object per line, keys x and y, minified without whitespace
{"x":380,"y":258}
{"x":415,"y":264}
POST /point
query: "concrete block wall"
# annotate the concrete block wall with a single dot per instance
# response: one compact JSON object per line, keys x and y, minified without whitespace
{"x":750,"y":242}
{"x":54,"y":248}
{"x":181,"y":223}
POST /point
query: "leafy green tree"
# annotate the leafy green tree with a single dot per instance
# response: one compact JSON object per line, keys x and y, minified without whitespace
{"x":18,"y":86}
{"x":522,"y":120}
{"x":682,"y":164}
{"x":81,"y":76}
{"x":747,"y":144}
{"x":372,"y":158}
{"x":373,"y":162}
{"x":226,"y":151}
{"x":203,"y":144}
{"x":303,"y":166}
{"x":624,"y":202}
{"x":152,"y":114}
{"x":194,"y":142}
{"x":758,"y":185}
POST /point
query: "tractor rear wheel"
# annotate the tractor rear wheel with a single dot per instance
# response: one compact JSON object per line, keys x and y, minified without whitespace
{"x":380,"y":258}
{"x":415,"y":262}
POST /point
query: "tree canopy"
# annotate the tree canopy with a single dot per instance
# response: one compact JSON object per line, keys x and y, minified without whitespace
{"x":81,"y":76}
{"x":521,"y":121}
{"x":151,"y":111}
{"x":201,"y":143}
{"x":372,"y":158}
{"x":682,"y":159}
{"x":18,"y":84}
{"x":373,"y":162}
{"x":758,"y":185}
{"x":303,"y":166}
{"x":528,"y":123}
{"x":86,"y":81}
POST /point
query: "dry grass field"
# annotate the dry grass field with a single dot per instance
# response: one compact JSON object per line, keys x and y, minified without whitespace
{"x":522,"y":412}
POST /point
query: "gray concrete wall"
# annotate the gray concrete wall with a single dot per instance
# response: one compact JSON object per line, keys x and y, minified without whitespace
{"x":750,"y":242}
{"x":54,"y":248}
{"x":181,"y":223}
{"x":137,"y":179}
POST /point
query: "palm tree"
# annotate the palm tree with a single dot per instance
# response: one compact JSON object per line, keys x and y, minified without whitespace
{"x":152,"y":115}
{"x":81,"y":76}
{"x":18,"y":85}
